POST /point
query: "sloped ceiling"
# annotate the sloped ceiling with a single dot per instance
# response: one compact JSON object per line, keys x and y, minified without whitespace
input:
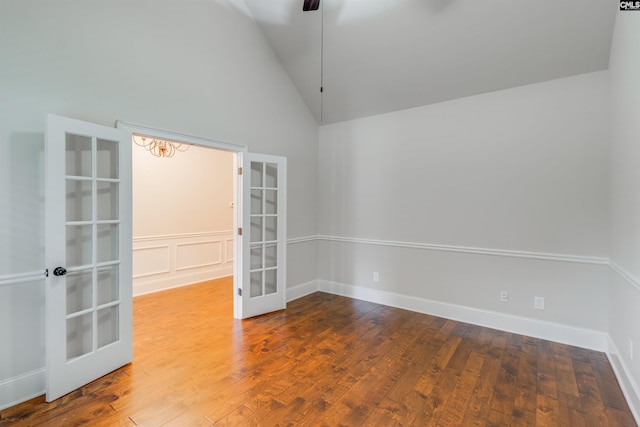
{"x":378,"y":56}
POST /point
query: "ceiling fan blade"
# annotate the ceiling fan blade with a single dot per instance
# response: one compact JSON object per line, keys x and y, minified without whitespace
{"x":310,"y":5}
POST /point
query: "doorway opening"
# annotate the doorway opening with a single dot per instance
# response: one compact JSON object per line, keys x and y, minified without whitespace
{"x":197,"y":255}
{"x":259,"y":221}
{"x":182,"y":217}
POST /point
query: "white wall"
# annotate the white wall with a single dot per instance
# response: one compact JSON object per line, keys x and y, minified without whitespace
{"x":454,"y":202}
{"x":201,"y":68}
{"x":182,"y":218}
{"x":188,"y":193}
{"x":625,"y":200}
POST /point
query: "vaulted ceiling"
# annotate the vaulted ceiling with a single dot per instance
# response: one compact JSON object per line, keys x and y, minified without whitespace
{"x":378,"y":56}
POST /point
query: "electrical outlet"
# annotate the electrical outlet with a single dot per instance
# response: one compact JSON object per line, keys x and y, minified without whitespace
{"x":504,"y":296}
{"x":376,"y":276}
{"x":538,"y":303}
{"x":630,"y":349}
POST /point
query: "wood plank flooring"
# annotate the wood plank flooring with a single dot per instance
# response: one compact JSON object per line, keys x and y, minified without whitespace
{"x":329,"y":360}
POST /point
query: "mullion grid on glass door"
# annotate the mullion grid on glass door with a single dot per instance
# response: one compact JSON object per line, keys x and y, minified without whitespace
{"x":257,"y":245}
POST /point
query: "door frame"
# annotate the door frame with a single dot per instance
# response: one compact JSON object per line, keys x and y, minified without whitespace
{"x":130,"y":129}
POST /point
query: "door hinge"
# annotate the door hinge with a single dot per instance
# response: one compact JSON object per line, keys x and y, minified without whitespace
{"x":239,"y":171}
{"x":46,"y":272}
{"x":239,"y":292}
{"x":240,"y":231}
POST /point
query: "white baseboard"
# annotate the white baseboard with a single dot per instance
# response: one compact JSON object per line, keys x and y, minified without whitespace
{"x":585,"y":338}
{"x":627,"y":383}
{"x":22,"y":388}
{"x":301,"y":290}
{"x":161,"y":284}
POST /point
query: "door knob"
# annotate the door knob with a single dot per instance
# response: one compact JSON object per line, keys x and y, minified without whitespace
{"x":59,"y":271}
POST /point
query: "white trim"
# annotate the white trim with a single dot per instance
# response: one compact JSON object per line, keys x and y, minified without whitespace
{"x":229,"y":253}
{"x":625,"y":274}
{"x":192,"y":244}
{"x":21,"y":388}
{"x":179,"y":137}
{"x":154,"y":273}
{"x":629,"y":386}
{"x":303,"y":239}
{"x":18,"y":278}
{"x":585,"y":338}
{"x":152,"y":238}
{"x":302,"y":290}
{"x":471,"y":250}
{"x":185,"y":280}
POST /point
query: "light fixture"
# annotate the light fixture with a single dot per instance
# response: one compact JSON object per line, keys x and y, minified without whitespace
{"x":159,"y":147}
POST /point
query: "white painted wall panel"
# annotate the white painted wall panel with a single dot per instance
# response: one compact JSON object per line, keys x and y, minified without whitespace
{"x":151,"y":260}
{"x":575,"y":293}
{"x":625,"y":200}
{"x":168,"y":261}
{"x":198,"y":254}
{"x":520,"y":170}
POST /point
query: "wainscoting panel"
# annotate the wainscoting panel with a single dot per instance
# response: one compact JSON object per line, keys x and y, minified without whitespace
{"x":170,"y":261}
{"x":150,"y":261}
{"x":229,"y":250}
{"x":200,"y":254}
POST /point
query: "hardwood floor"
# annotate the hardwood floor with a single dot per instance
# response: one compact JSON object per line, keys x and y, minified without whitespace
{"x":330,"y":360}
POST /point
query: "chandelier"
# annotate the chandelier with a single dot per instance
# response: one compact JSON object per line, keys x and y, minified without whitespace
{"x":159,"y":147}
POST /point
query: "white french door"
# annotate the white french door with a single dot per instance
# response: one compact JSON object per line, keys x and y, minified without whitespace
{"x":88,"y":253}
{"x":261,"y":266}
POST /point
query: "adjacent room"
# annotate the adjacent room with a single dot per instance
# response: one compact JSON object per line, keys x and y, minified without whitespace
{"x":182,"y":217}
{"x":461,"y":211}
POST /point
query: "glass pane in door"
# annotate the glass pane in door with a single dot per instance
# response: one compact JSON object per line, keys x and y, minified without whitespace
{"x":271,"y":175}
{"x":256,"y":202}
{"x":107,"y":325}
{"x":270,"y":281}
{"x":79,"y":335}
{"x":79,"y":245}
{"x":107,"y":200}
{"x":256,"y":257}
{"x":270,"y":228}
{"x":79,"y":200}
{"x":107,"y":286}
{"x":107,"y":242}
{"x":271,"y":202}
{"x":107,"y":159}
{"x":256,"y":174}
{"x":271,"y":255}
{"x":78,"y":155}
{"x":256,"y":284}
{"x":79,"y":291}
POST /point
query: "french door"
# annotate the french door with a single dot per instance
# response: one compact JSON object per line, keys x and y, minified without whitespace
{"x":89,"y":245}
{"x":88,"y":253}
{"x":261,"y":268}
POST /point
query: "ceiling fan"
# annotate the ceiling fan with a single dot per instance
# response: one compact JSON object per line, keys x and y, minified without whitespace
{"x":310,"y":5}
